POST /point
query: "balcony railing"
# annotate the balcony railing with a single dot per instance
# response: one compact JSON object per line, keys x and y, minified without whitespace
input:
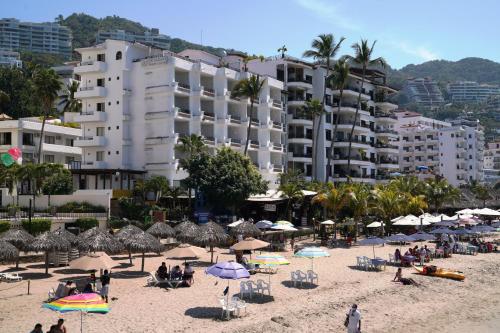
{"x":208,"y":92}
{"x":183,"y":86}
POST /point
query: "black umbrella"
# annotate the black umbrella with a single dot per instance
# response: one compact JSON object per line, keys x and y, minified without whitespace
{"x":161,"y":230}
{"x":143,"y":242}
{"x":20,"y":238}
{"x":8,"y":251}
{"x":246,"y":229}
{"x":47,"y":242}
{"x":211,"y":234}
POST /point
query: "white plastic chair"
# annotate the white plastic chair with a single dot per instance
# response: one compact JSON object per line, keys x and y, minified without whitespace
{"x":239,"y":303}
{"x":227,"y":308}
{"x":51,"y":295}
{"x":312,"y":276}
{"x":262,"y":287}
{"x":98,"y":285}
{"x":300,"y":277}
{"x":12,"y":277}
{"x":245,"y":289}
{"x":359,"y":262}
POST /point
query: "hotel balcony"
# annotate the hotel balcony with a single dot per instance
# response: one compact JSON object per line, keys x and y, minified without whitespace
{"x":94,"y":165}
{"x":61,"y":149}
{"x":91,"y":92}
{"x":160,"y":166}
{"x":91,"y":116}
{"x":93,"y":66}
{"x":95,"y":141}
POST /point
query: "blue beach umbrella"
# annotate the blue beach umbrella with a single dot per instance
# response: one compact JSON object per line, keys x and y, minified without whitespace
{"x":311,"y":253}
{"x":399,"y":238}
{"x":228,"y":270}
{"x":372,"y":241}
{"x":422,"y":236}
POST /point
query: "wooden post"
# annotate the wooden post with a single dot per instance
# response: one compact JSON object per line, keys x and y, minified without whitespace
{"x":29,"y":281}
{"x":142,"y":265}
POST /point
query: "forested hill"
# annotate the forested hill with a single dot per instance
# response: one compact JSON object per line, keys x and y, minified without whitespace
{"x":444,"y":71}
{"x":84,"y":28}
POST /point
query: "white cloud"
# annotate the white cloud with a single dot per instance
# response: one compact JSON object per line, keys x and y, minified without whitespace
{"x":417,"y":51}
{"x":329,"y":12}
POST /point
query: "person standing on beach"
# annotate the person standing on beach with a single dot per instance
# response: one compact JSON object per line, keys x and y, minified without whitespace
{"x":353,"y":320}
{"x":105,"y":279}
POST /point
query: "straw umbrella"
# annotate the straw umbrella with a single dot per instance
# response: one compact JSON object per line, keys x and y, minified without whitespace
{"x":185,"y":251}
{"x":8,"y":251}
{"x":70,"y":237}
{"x":249,"y":244}
{"x":211,"y":234}
{"x":161,"y":230}
{"x":99,"y":241}
{"x":91,"y":232}
{"x":246,"y":229}
{"x":186,"y":231}
{"x":48,"y":241}
{"x":125,"y":233}
{"x":19,"y":238}
{"x":91,"y":261}
{"x":143,"y":242}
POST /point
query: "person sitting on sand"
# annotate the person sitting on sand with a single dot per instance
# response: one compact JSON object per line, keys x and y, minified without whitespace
{"x":188,"y":275}
{"x":88,"y":288}
{"x":69,"y":289}
{"x":399,"y":278}
{"x":162,"y":271}
{"x":37,"y":329}
{"x":176,"y":273}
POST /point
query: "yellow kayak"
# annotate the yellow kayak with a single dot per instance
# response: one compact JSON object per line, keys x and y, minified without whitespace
{"x":441,"y":272}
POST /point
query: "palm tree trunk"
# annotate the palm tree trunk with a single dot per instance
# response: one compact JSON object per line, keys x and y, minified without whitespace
{"x":211,"y":254}
{"x":313,"y":153}
{"x":354,"y":122}
{"x":334,"y":135}
{"x":40,"y":144}
{"x":130,"y":257}
{"x":249,"y":126}
{"x":46,"y":262}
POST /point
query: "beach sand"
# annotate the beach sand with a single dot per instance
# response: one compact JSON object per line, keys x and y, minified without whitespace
{"x":438,"y":305}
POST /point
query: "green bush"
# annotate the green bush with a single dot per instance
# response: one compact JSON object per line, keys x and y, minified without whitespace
{"x":117,"y":223}
{"x":80,"y":207}
{"x":86,"y":223}
{"x":4,"y":226}
{"x":37,"y":226}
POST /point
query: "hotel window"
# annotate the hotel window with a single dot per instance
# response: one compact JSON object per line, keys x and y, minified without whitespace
{"x":119,"y":55}
{"x":69,"y":142}
{"x":99,"y":131}
{"x":48,"y":158}
{"x":49,"y":139}
{"x":27,"y":157}
{"x":28,"y":139}
{"x":99,"y":156}
{"x":101,"y":57}
{"x":6,"y":138}
{"x":100,"y":107}
{"x":100,"y":82}
{"x":69,"y":159}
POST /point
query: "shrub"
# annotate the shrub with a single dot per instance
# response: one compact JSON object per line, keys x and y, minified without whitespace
{"x":37,"y":226}
{"x":59,"y":183}
{"x":117,"y":223}
{"x":80,"y":207}
{"x":86,"y":223}
{"x":4,"y":226}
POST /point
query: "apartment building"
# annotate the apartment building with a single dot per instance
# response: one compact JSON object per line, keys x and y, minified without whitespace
{"x":492,"y":156}
{"x":137,"y":102}
{"x":461,"y":151}
{"x":152,"y":37}
{"x":425,"y":92}
{"x":24,"y":133}
{"x":374,"y":154}
{"x":45,"y":37}
{"x":10,"y":59}
{"x":471,"y":92}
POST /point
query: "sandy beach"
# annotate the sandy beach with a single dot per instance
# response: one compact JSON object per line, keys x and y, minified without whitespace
{"x":439,"y":305}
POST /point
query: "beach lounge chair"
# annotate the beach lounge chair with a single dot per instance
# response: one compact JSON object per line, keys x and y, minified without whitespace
{"x":11,"y":277}
{"x":227,"y":307}
{"x":262,"y":287}
{"x":312,"y":276}
{"x":152,"y":280}
{"x":240,"y":304}
{"x":246,"y":288}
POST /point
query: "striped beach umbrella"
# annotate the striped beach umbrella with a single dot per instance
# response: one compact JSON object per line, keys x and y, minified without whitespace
{"x":269,"y":259}
{"x":311,"y":253}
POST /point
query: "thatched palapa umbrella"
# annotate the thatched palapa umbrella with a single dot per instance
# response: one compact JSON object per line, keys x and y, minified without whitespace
{"x":246,"y":229}
{"x":143,"y":242}
{"x":211,"y":234}
{"x":125,"y":233}
{"x":91,"y":232}
{"x":100,"y":242}
{"x":20,"y":238}
{"x":8,"y":251}
{"x":161,"y":230}
{"x":70,"y":237}
{"x":186,"y":231}
{"x":47,"y":242}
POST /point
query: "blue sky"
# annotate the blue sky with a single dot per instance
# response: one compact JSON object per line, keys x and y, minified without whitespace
{"x":406,"y":31}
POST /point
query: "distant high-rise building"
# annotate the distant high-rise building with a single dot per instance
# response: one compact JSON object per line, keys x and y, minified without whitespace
{"x":10,"y":59}
{"x":471,"y":92}
{"x":152,"y":37}
{"x":425,"y":92}
{"x":35,"y":37}
{"x":493,"y":103}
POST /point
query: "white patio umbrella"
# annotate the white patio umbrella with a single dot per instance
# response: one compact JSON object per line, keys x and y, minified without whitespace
{"x":375,"y":225}
{"x":486,"y":212}
{"x":328,"y":222}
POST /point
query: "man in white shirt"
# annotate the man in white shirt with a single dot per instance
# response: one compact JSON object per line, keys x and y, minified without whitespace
{"x":353,"y":320}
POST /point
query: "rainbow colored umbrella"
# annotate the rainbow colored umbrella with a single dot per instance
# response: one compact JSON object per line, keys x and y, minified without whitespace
{"x":269,"y":260}
{"x":90,"y":302}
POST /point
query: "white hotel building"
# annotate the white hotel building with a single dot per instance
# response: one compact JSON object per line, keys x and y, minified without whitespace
{"x":374,"y":151}
{"x":138,"y":101}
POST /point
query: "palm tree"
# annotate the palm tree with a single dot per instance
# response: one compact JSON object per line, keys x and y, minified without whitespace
{"x":414,"y":204}
{"x":439,"y":191}
{"x":175,"y":193}
{"x":59,"y":19}
{"x":68,"y":100}
{"x":362,"y":57}
{"x":248,"y":88}
{"x":359,"y":195}
{"x":315,"y":109}
{"x":481,"y":192}
{"x":386,"y":204}
{"x":4,"y":100}
{"x":158,"y":185}
{"x":408,"y":184}
{"x":323,"y":49}
{"x":190,"y":146}
{"x":9,"y":177}
{"x":338,"y":81}
{"x":334,"y":200}
{"x":47,"y":85}
{"x":291,"y":184}
{"x":282,"y":50}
